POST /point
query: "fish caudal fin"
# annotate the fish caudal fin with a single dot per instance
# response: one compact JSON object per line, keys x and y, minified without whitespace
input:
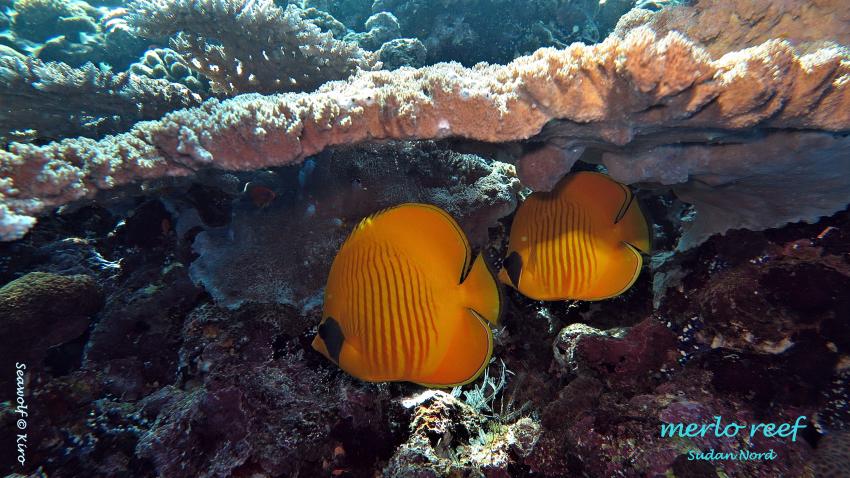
{"x":482,"y":293}
{"x":468,"y":353}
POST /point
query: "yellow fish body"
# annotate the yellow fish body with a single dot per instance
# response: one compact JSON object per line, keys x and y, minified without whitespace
{"x":583,"y":240}
{"x":402,"y":301}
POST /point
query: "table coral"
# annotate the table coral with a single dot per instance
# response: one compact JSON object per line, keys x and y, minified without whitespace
{"x":636,"y":91}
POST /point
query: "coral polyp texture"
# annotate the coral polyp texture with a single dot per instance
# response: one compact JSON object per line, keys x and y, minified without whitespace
{"x":250,"y":46}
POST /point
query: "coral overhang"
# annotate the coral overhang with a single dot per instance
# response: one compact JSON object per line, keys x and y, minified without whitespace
{"x":631,"y":93}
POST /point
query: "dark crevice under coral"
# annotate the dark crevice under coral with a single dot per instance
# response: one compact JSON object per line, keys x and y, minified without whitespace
{"x":163,"y":368}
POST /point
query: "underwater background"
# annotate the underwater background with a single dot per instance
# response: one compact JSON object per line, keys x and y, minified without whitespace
{"x":178,"y":176}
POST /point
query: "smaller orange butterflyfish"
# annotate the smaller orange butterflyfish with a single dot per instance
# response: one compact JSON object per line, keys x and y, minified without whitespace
{"x":583,"y":240}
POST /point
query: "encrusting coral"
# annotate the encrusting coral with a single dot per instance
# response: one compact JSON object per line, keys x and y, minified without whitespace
{"x":253,"y":46}
{"x":633,"y":92}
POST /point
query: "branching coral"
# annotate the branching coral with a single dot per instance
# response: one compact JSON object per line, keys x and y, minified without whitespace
{"x":165,"y":63}
{"x":49,"y":101}
{"x":628,"y":95}
{"x":250,"y":46}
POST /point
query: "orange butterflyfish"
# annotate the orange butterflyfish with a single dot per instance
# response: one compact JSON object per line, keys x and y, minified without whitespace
{"x":405,"y":301}
{"x":583,"y":240}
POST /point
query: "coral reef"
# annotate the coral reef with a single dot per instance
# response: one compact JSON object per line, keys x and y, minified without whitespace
{"x":165,"y":310}
{"x":657,"y":83}
{"x":69,"y":31}
{"x":250,"y":47}
{"x":721,"y":26}
{"x":381,"y":28}
{"x":242,"y":262}
{"x":164,"y":368}
{"x":51,"y":101}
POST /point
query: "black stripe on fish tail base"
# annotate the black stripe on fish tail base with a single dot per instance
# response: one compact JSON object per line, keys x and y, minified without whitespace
{"x":331,"y":334}
{"x":513,"y":264}
{"x":624,"y":208}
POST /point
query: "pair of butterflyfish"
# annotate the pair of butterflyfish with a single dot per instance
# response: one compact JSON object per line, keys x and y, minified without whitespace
{"x":406,"y":301}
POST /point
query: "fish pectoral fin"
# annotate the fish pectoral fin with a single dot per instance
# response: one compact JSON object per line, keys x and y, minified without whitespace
{"x":467,"y":355}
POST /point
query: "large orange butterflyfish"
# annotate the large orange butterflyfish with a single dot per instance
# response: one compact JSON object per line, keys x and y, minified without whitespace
{"x":583,"y":240}
{"x":405,"y":301}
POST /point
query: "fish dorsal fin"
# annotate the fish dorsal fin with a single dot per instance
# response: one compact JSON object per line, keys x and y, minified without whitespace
{"x":597,"y":192}
{"x":418,"y":230}
{"x":607,"y":200}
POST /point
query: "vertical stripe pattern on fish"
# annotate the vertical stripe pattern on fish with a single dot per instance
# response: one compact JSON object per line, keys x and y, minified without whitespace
{"x":580,"y":241}
{"x":404,"y":301}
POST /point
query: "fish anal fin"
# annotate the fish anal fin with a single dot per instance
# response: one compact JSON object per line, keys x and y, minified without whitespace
{"x":468,"y":353}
